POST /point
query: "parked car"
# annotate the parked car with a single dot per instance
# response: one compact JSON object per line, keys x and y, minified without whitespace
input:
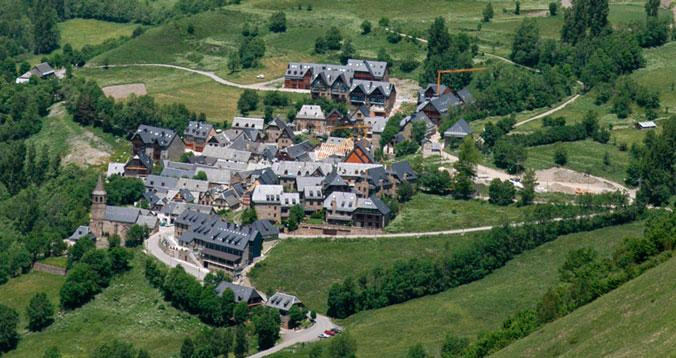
{"x":329,"y":332}
{"x":336,"y":330}
{"x":324,"y":335}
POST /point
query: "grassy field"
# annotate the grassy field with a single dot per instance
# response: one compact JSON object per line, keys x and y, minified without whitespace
{"x":435,"y":213}
{"x":129,"y":310}
{"x":77,"y":144}
{"x":18,"y":291}
{"x":308,"y":268}
{"x":198,"y":93}
{"x":478,"y":306}
{"x":636,"y":320}
{"x":80,"y":32}
{"x":583,"y":156}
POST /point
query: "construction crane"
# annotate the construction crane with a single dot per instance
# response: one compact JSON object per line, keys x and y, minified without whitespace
{"x":457,"y":70}
{"x":360,"y":129}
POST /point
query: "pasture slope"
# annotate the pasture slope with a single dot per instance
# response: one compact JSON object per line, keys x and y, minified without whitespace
{"x":638,"y":319}
{"x":469,"y":309}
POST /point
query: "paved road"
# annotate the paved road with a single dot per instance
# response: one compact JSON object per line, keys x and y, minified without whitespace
{"x":152,"y":246}
{"x":291,"y":337}
{"x":262,"y":86}
{"x":402,"y":234}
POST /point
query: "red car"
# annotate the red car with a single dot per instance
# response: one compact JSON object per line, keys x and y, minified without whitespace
{"x":329,"y":333}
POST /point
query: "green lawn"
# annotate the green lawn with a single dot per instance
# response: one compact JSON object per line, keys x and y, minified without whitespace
{"x":583,"y":156}
{"x":636,"y":320}
{"x":129,"y":310}
{"x":435,"y":213}
{"x":80,"y":32}
{"x":308,"y":267}
{"x":18,"y":291}
{"x":478,"y":306}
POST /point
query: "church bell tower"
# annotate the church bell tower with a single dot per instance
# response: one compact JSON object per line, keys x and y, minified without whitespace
{"x":99,"y":198}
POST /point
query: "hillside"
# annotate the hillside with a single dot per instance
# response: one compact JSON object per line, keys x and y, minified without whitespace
{"x":129,"y":310}
{"x":636,"y":320}
{"x":470,"y":309}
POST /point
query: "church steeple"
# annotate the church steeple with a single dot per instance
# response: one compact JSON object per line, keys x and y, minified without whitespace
{"x":99,"y":194}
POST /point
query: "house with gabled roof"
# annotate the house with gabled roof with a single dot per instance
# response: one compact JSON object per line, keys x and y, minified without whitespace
{"x":346,"y":208}
{"x":245,"y":294}
{"x":157,"y":143}
{"x":139,"y":165}
{"x":197,"y":134}
{"x":41,"y":70}
{"x":278,"y":132}
{"x":311,"y":118}
{"x":379,"y":96}
{"x":272,"y":203}
{"x":457,"y":132}
{"x":359,"y":154}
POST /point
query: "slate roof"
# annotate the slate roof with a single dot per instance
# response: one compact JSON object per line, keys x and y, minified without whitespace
{"x":193,"y":184}
{"x":242,"y":293}
{"x":368,"y":87}
{"x":198,"y":129}
{"x":375,"y":68}
{"x":313,"y":192}
{"x":143,"y":158}
{"x":345,"y":202}
{"x":80,"y":232}
{"x":304,"y":181}
{"x":150,"y":135}
{"x":248,"y":122}
{"x":191,"y":217}
{"x":115,"y":169}
{"x":403,"y":171}
{"x":431,"y":86}
{"x":308,"y":111}
{"x":43,"y":69}
{"x":267,"y":194}
{"x":460,"y":129}
{"x":373,"y":203}
{"x":466,"y":96}
{"x":160,"y":182}
{"x":218,"y":232}
{"x":124,"y":214}
{"x":288,"y":200}
{"x":227,"y":153}
{"x":292,"y":169}
{"x":265,"y":227}
{"x":377,"y":124}
{"x":277,"y":122}
{"x":282,"y":301}
{"x":377,"y":176}
{"x":300,"y":151}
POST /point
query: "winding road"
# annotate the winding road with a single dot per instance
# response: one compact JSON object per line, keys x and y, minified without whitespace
{"x":261,"y":86}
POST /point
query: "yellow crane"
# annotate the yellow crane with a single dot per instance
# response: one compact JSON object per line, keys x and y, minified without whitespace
{"x":457,"y":70}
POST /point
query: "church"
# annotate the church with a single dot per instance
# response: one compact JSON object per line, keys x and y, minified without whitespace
{"x":108,"y":220}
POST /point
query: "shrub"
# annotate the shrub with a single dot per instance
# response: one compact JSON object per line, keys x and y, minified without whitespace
{"x":277,"y":22}
{"x":560,"y":156}
{"x":501,"y":192}
{"x":40,"y":312}
{"x":408,"y":65}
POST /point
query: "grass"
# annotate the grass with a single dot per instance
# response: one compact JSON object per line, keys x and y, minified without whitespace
{"x":479,"y":306}
{"x":638,"y":319}
{"x":583,"y":156}
{"x":307,"y":268}
{"x":18,"y":291}
{"x":435,"y":213}
{"x":129,"y":310}
{"x":58,"y":261}
{"x":63,"y":136}
{"x":81,"y":32}
{"x":166,"y":85}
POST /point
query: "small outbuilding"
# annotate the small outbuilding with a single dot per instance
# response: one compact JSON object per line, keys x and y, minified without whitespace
{"x":646,"y":125}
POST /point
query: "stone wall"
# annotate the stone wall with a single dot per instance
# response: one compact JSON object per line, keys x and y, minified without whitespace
{"x":54,"y":270}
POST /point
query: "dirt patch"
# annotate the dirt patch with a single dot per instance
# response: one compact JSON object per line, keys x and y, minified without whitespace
{"x":572,"y":182}
{"x":123,"y":91}
{"x":566,"y":4}
{"x":87,"y":149}
{"x":407,"y":93}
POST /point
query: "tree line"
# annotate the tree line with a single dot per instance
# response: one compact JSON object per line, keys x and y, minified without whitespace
{"x":405,"y":280}
{"x":89,"y":106}
{"x":187,"y":294}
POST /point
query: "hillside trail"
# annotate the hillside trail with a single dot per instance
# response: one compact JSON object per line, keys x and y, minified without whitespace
{"x":260,"y":86}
